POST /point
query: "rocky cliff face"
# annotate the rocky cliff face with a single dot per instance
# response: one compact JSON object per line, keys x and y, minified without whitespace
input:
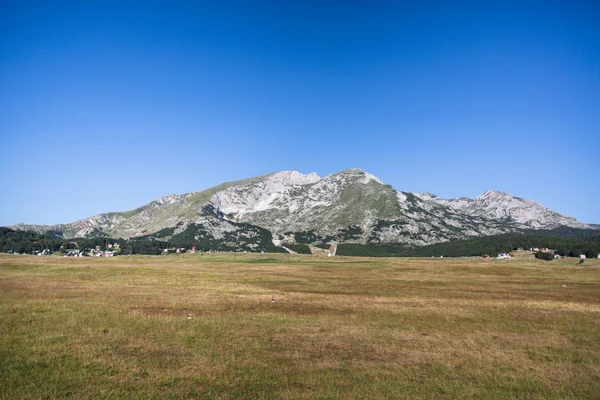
{"x":350,"y":205}
{"x":500,"y":205}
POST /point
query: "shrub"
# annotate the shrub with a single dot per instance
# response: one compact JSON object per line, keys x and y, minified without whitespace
{"x":542,"y":255}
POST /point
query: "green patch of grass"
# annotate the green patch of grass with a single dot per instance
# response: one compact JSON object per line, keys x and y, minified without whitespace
{"x":261,"y":261}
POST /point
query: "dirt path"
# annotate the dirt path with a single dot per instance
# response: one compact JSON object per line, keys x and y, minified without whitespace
{"x":333,"y":249}
{"x":323,"y":252}
{"x":288,"y":250}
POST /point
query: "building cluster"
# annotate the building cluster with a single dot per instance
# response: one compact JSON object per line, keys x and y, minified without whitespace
{"x":177,"y":250}
{"x":504,"y":256}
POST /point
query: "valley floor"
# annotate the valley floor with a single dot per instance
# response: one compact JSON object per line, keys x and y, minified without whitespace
{"x":280,"y":326}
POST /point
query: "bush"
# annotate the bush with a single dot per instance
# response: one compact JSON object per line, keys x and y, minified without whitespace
{"x":542,"y":255}
{"x":592,"y":253}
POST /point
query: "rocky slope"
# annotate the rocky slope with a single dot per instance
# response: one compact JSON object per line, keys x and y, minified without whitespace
{"x":348,"y":206}
{"x":499,"y":205}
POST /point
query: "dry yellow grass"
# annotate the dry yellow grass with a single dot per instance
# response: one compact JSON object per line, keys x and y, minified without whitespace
{"x":192,"y":326}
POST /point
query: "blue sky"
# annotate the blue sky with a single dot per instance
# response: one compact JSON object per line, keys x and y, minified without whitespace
{"x":106,"y":106}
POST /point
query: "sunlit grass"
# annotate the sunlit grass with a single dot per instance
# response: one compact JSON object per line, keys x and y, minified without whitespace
{"x":278,"y":326}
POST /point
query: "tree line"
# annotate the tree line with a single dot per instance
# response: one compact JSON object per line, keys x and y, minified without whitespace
{"x":488,"y":245}
{"x":20,"y":242}
{"x":12,"y":241}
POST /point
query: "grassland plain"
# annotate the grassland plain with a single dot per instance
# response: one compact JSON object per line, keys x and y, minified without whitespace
{"x":287,"y":327}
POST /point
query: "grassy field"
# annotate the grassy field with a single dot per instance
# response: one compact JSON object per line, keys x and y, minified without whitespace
{"x":287,"y":327}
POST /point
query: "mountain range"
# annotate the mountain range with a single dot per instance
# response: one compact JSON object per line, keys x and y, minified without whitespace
{"x":291,"y":207}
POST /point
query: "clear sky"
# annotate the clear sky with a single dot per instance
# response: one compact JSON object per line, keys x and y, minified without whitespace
{"x":106,"y":106}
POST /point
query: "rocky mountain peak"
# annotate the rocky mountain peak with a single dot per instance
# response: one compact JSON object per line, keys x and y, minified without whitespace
{"x":356,"y":174}
{"x":493,"y":194}
{"x":426,"y":196}
{"x":293,"y":178}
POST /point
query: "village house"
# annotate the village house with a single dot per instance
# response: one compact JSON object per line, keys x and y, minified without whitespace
{"x":503,"y":256}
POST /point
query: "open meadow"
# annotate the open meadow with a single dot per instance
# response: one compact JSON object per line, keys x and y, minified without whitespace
{"x":279,"y":326}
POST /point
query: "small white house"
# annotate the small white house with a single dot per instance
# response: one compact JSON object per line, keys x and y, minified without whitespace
{"x":582,"y":256}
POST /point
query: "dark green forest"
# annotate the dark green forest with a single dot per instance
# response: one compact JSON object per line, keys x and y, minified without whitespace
{"x":574,"y":244}
{"x":489,"y":245}
{"x":12,"y":241}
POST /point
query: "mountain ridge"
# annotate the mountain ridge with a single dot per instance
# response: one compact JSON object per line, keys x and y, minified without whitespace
{"x":351,"y":205}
